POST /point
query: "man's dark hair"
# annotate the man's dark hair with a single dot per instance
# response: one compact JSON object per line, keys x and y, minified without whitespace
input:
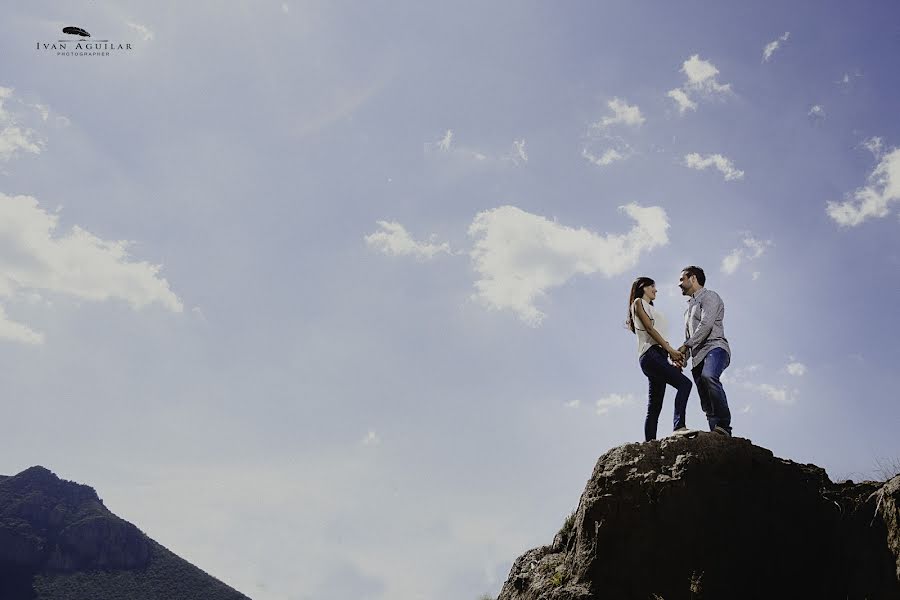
{"x":697,"y":272}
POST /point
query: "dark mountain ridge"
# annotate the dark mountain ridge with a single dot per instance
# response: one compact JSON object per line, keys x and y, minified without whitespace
{"x":717,"y":518}
{"x":59,"y":542}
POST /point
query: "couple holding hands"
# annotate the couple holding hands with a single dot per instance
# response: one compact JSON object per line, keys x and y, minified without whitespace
{"x":704,"y":343}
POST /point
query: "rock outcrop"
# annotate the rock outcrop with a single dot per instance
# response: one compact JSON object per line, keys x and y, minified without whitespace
{"x":64,"y":526}
{"x":717,"y":518}
{"x":58,"y":541}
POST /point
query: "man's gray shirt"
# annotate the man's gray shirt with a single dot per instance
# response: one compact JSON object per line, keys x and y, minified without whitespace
{"x":703,"y":327}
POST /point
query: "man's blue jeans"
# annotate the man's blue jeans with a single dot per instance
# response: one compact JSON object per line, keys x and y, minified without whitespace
{"x":655,"y":365}
{"x":712,"y":394}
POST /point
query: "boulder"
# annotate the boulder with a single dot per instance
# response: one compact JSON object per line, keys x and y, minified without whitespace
{"x":716,"y":517}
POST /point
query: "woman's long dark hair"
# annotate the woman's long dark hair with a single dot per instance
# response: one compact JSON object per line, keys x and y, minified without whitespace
{"x":637,"y":291}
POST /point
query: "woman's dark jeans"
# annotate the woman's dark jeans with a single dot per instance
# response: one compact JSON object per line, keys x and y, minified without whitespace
{"x":655,"y":365}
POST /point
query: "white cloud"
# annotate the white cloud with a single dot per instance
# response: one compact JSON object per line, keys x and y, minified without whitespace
{"x":622,"y":113}
{"x":875,"y":145}
{"x":701,"y":75}
{"x":609,"y":156}
{"x":755,"y":275}
{"x":816,"y":112}
{"x":447,"y":146}
{"x":847,"y":78}
{"x":723,"y":164}
{"x":682,"y":99}
{"x":757,"y":247}
{"x":519,"y":145}
{"x":18,"y":332}
{"x":751,"y":250}
{"x":779,"y":394}
{"x":145,"y":31}
{"x":519,"y":256}
{"x":739,"y":374}
{"x":613,"y":401}
{"x":700,"y":81}
{"x":13,"y":137}
{"x":43,"y":109}
{"x":573,"y":403}
{"x":518,"y":153}
{"x":285,"y":8}
{"x":731,"y":262}
{"x":796,"y":368}
{"x":5,"y":93}
{"x":446,"y":141}
{"x":78,"y":264}
{"x":199,"y":313}
{"x":772,"y":46}
{"x":395,"y":240}
{"x":874,"y":199}
{"x":371,"y":438}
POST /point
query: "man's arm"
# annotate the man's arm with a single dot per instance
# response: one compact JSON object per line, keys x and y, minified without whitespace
{"x":710,"y":310}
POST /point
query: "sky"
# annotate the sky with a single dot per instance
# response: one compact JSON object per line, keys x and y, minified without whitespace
{"x":328,"y":297}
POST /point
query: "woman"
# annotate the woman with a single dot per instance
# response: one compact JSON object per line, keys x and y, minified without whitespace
{"x":653,"y":351}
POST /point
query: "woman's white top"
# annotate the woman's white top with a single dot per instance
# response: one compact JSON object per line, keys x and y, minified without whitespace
{"x":659,"y":324}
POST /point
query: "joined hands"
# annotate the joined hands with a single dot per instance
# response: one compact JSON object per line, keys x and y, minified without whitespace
{"x":678,"y":357}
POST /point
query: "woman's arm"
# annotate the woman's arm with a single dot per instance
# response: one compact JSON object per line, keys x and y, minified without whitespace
{"x":651,"y":330}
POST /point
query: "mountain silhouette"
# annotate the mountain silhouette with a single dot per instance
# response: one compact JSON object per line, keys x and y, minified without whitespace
{"x":59,"y":542}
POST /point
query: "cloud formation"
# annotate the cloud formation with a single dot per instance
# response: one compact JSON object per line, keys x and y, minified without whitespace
{"x":519,"y":256}
{"x":395,"y":240}
{"x":723,"y":164}
{"x":751,"y":250}
{"x":33,"y":259}
{"x":683,"y":101}
{"x":871,"y":201}
{"x":609,"y":156}
{"x":700,"y":82}
{"x":145,"y":31}
{"x":875,"y":145}
{"x":779,"y":394}
{"x":816,"y":113}
{"x":371,"y":438}
{"x":613,"y":401}
{"x":772,"y":46}
{"x":518,"y":152}
{"x":447,"y":146}
{"x":622,"y":113}
{"x":14,"y":137}
{"x":795,"y":368}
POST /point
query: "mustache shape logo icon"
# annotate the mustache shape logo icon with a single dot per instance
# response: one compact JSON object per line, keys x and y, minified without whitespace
{"x":76,"y":31}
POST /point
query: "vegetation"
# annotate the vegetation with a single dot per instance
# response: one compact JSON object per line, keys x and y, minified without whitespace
{"x":886,"y":468}
{"x":567,"y":526}
{"x":559,"y":578}
{"x":167,"y":576}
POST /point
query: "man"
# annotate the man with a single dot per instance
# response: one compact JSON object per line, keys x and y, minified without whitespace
{"x":707,"y":346}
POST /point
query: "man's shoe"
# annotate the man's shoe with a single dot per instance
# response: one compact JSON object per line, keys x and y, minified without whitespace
{"x":682,"y":431}
{"x":719,"y":430}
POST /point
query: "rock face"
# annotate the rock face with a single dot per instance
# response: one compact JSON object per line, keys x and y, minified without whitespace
{"x":64,"y":526}
{"x":58,"y":540}
{"x":711,"y":518}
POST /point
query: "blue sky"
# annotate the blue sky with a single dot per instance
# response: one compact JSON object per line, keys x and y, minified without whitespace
{"x":328,"y":297}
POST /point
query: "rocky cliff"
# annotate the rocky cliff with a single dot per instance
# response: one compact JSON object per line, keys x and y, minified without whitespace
{"x":717,"y":518}
{"x":59,"y":542}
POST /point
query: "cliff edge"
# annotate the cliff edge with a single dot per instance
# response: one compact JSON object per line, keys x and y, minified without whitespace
{"x":716,"y":518}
